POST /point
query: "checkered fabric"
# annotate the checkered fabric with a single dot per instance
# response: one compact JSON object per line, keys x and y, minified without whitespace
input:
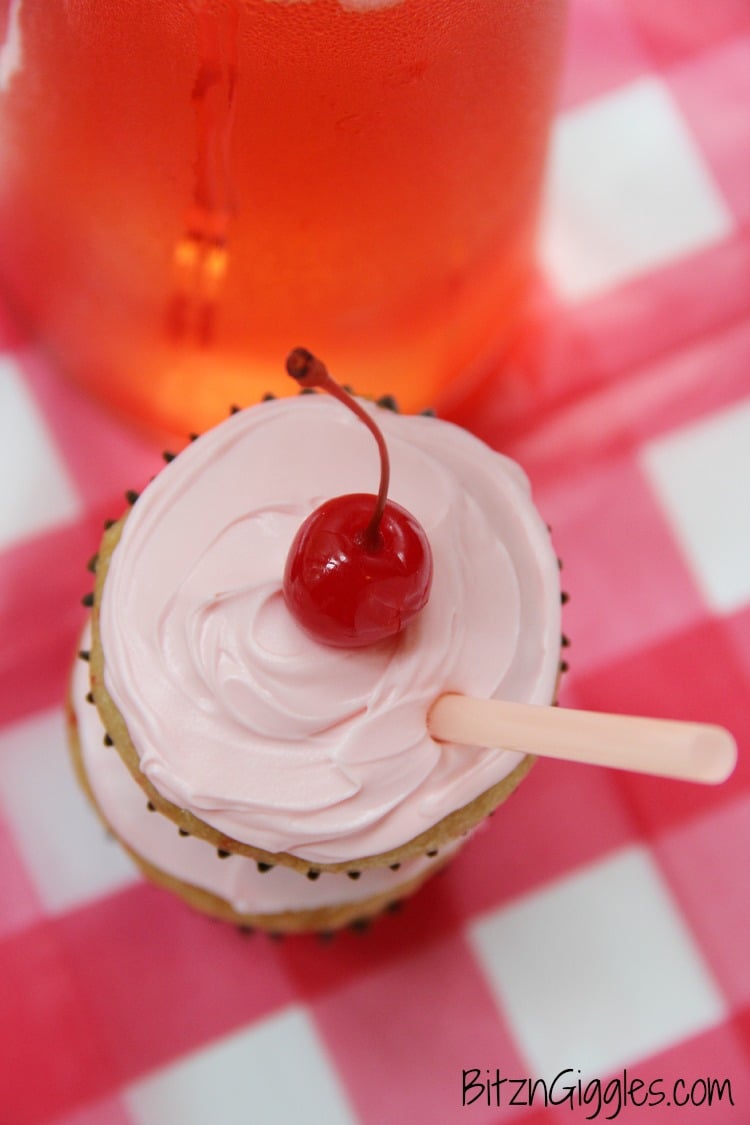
{"x":600,"y":922}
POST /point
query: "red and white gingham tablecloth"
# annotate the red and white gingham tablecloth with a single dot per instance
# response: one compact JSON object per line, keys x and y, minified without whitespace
{"x":597,"y":929}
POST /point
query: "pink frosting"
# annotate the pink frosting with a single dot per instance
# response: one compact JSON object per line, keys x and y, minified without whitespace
{"x":234,"y":879}
{"x":273,"y":739}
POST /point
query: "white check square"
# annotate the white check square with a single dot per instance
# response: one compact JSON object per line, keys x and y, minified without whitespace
{"x":274,"y":1072}
{"x":597,"y":970}
{"x":628,"y":192}
{"x":63,"y":844}
{"x":701,"y":476}
{"x":36,"y":492}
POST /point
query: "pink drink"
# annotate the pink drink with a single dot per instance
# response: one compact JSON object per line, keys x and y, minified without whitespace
{"x":190,"y":188}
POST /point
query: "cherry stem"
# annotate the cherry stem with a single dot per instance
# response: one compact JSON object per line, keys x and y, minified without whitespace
{"x":309,"y":371}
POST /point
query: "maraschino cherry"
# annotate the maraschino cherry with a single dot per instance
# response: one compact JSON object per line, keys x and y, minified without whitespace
{"x":360,"y":566}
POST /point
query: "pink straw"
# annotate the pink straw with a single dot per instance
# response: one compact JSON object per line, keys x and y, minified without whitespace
{"x":666,"y":748}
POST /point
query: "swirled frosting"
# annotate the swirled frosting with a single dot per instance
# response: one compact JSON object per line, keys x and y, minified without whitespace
{"x":269,"y":737}
{"x":235,"y":879}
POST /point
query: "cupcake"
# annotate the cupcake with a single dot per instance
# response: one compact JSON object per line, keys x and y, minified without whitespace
{"x":269,"y":746}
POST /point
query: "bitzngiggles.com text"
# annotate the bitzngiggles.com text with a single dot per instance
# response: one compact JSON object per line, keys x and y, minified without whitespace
{"x":599,"y":1098}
